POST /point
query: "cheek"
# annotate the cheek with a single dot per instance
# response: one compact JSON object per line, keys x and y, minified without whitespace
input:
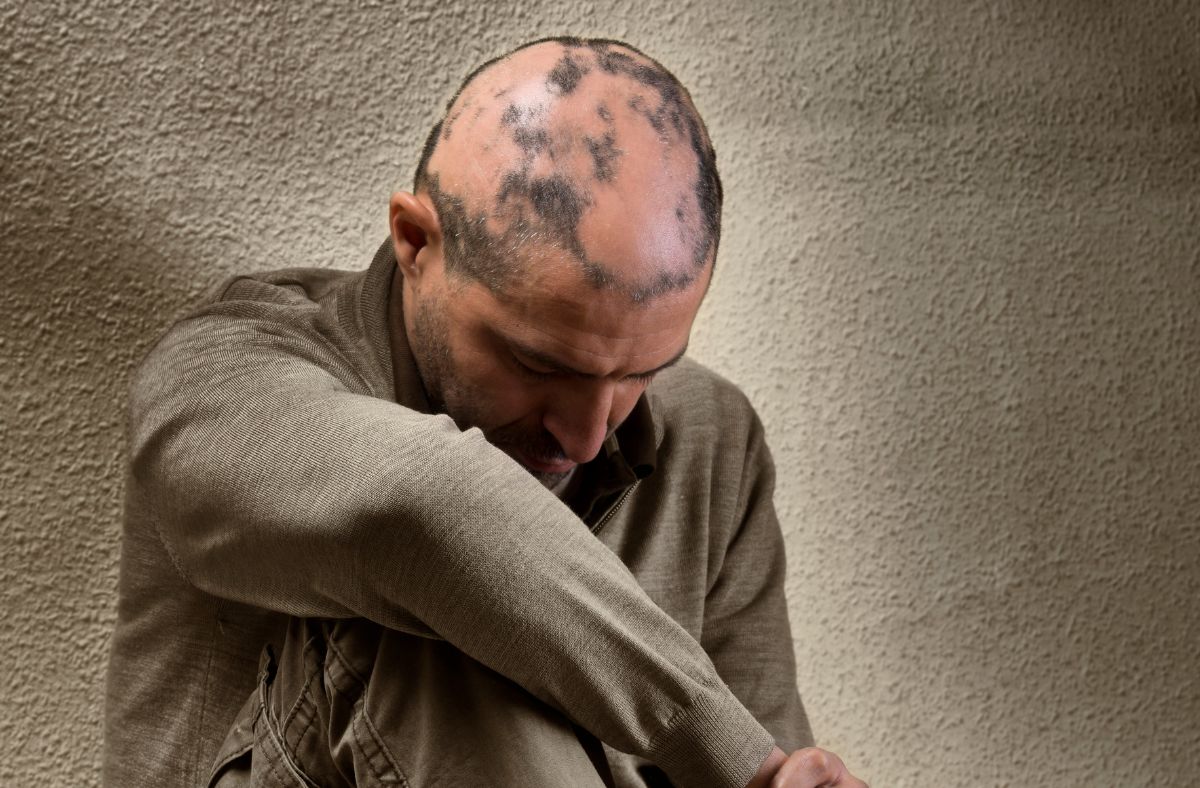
{"x":515,"y":398}
{"x":502,"y":393}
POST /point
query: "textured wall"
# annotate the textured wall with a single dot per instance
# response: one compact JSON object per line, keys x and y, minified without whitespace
{"x":960,"y":277}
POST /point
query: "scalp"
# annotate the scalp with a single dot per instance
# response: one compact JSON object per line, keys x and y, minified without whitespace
{"x":562,"y":141}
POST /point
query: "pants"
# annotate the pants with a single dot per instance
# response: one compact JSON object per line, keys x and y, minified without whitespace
{"x":348,"y":703}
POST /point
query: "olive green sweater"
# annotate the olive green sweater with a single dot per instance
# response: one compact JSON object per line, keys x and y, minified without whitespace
{"x":272,"y":473}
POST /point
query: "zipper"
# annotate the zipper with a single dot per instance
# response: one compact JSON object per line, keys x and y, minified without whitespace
{"x":612,"y":510}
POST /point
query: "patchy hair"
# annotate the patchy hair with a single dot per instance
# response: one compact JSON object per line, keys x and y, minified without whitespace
{"x":549,"y":208}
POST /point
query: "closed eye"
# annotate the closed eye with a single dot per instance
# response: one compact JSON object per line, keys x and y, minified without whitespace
{"x":528,"y":371}
{"x":540,"y":374}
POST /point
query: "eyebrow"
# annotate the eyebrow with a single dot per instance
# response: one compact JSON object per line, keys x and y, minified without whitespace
{"x":565,"y":369}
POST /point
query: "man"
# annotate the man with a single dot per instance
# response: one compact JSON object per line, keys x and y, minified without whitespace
{"x":433,"y":524}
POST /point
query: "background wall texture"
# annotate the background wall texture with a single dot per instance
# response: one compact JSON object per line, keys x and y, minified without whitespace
{"x":960,"y":279}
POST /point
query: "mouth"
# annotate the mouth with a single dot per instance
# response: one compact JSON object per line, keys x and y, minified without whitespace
{"x":538,"y":466}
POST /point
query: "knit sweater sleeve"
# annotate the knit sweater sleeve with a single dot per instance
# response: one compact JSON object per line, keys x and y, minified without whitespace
{"x":746,"y":629}
{"x":275,"y":480}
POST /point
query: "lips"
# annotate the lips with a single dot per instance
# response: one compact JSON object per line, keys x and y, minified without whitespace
{"x":563,"y":466}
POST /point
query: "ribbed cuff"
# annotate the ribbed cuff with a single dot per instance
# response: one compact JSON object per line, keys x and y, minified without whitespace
{"x":714,"y":742}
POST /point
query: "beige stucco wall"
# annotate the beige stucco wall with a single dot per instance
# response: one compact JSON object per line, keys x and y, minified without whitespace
{"x":960,"y":279}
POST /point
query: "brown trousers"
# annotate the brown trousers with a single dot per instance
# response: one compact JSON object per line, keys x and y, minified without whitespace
{"x":349,"y":703}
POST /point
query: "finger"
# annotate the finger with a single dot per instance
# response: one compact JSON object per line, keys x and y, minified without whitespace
{"x":850,"y":781}
{"x":811,"y":767}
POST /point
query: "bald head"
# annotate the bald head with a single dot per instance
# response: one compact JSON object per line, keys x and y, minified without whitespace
{"x":583,"y":147}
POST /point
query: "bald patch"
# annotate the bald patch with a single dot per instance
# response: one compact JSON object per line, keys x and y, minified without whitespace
{"x":552,"y":143}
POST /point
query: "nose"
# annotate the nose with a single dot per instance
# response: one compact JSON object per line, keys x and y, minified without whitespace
{"x":578,"y":418}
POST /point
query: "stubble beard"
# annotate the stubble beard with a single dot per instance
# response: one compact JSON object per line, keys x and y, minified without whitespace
{"x":449,"y":394}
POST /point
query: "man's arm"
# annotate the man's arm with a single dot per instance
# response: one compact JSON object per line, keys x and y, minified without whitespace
{"x":748,"y":635}
{"x":746,"y":629}
{"x":279,"y":483}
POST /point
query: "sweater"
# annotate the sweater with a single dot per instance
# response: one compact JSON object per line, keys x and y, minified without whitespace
{"x":280,"y":465}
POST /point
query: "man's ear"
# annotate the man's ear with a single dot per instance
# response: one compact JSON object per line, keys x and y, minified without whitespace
{"x":414,"y":228}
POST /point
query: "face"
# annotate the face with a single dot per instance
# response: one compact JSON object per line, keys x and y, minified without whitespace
{"x":548,"y":369}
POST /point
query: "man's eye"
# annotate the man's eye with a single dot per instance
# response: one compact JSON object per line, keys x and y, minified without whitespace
{"x":529,"y":371}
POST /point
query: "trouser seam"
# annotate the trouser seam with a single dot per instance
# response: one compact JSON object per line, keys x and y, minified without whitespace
{"x":275,"y":739}
{"x":361,"y":709}
{"x":304,"y":694}
{"x":303,"y":732}
{"x":273,"y":765}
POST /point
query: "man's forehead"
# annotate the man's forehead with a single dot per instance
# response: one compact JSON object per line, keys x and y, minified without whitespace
{"x":555,"y":292}
{"x":591,"y":355}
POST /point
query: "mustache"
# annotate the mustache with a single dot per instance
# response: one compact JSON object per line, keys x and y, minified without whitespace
{"x":540,"y":446}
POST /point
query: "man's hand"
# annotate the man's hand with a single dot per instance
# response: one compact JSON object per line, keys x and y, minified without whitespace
{"x":807,"y":768}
